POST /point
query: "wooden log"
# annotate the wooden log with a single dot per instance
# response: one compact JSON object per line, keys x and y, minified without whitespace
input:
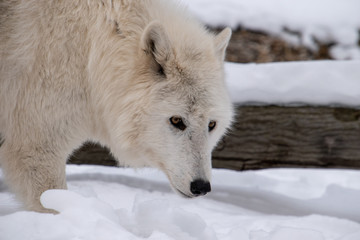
{"x":274,"y":136}
{"x":94,"y":154}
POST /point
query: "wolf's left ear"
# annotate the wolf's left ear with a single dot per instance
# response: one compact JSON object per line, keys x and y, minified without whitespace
{"x":155,"y":43}
{"x":221,"y":42}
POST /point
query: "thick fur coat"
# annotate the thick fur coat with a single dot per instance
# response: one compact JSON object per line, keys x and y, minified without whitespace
{"x":142,"y":77}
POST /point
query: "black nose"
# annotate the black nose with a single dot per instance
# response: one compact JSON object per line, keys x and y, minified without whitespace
{"x":200,"y":187}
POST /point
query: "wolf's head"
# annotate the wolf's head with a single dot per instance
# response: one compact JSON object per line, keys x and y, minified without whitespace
{"x":189,"y":108}
{"x":160,"y":97}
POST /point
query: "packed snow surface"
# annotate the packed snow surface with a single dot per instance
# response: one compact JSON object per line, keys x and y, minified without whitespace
{"x":294,"y":83}
{"x":115,"y":203}
{"x":303,"y":22}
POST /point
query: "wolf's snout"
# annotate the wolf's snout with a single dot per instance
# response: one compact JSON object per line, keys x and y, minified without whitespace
{"x":200,"y":187}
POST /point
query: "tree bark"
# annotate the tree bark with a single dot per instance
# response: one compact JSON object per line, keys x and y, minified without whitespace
{"x":274,"y":136}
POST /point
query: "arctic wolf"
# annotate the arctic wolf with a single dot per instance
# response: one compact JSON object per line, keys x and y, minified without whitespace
{"x":142,"y":77}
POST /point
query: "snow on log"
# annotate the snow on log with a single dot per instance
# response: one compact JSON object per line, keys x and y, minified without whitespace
{"x":327,"y":83}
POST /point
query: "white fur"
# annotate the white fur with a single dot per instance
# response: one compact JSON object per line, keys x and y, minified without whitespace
{"x":72,"y":71}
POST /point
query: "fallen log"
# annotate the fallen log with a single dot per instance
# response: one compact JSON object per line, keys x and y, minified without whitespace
{"x":275,"y":136}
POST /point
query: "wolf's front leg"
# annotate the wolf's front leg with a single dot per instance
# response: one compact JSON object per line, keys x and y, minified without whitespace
{"x":30,"y":170}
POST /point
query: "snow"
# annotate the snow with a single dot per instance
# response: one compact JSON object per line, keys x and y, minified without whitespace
{"x":295,"y":83}
{"x":299,"y":22}
{"x":117,"y":203}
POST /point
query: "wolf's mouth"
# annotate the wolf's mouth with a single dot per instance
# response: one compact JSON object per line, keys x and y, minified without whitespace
{"x":183,"y":194}
{"x":177,"y":190}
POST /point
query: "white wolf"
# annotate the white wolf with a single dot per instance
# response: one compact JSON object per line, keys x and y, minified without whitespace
{"x":139,"y":76}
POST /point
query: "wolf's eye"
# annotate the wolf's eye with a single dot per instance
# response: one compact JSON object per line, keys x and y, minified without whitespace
{"x":212,"y":125}
{"x":177,"y":122}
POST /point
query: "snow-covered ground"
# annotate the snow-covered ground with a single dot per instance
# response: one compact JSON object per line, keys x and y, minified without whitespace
{"x":112,"y":203}
{"x":299,"y":22}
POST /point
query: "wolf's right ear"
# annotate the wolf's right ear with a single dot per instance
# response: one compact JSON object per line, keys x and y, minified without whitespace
{"x":221,"y":42}
{"x":155,"y":43}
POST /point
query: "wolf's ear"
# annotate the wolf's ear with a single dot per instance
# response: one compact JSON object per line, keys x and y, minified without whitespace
{"x":155,"y":43}
{"x":221,"y":42}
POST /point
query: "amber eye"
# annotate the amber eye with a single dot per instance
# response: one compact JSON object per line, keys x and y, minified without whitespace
{"x":177,"y":122}
{"x":212,"y":125}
